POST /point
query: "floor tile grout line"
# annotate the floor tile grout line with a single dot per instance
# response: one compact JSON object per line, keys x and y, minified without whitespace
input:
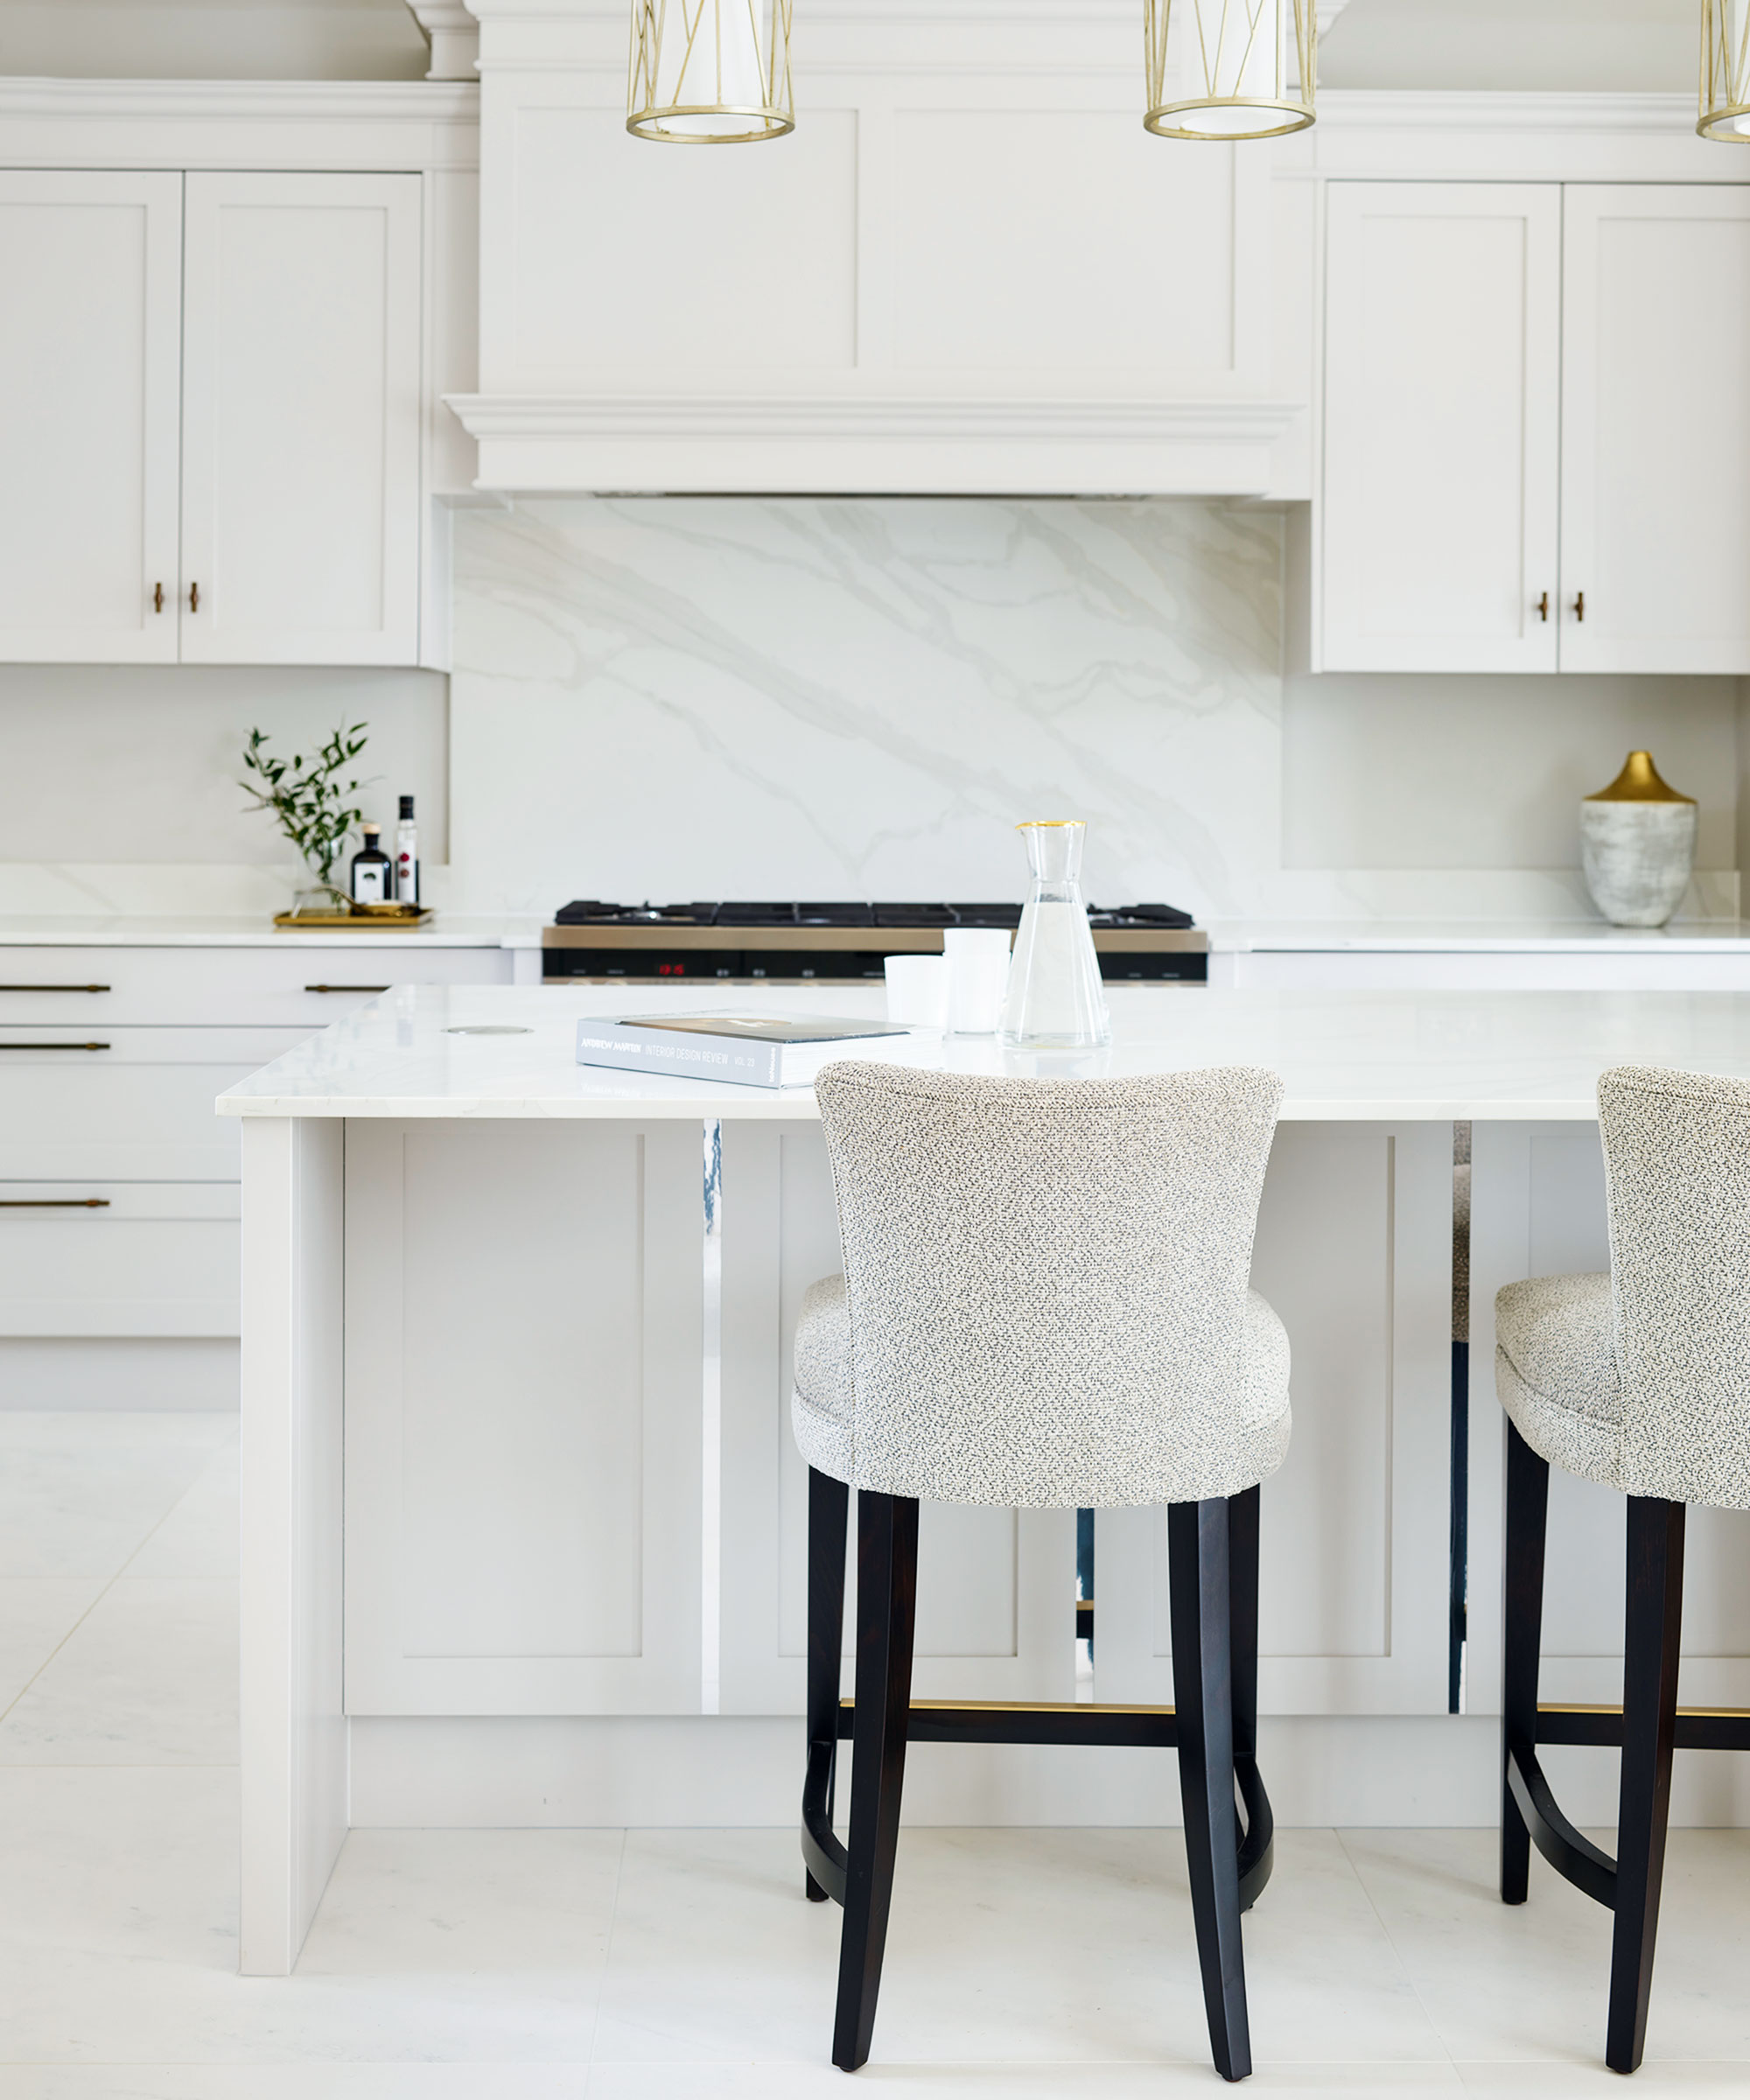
{"x":1398,"y":1954}
{"x":157,"y":1525}
{"x":606,"y":1961}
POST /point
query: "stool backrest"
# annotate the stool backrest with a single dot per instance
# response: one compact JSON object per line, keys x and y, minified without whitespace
{"x":1047,"y":1278}
{"x":1677,"y":1155}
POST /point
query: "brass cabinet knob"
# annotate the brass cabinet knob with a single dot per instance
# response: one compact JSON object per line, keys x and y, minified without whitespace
{"x":1543,"y":606}
{"x":194,"y":597}
{"x":1579,"y":605}
{"x":157,"y":597}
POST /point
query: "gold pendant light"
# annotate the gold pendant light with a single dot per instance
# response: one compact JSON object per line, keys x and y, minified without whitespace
{"x":711,"y":73}
{"x":1726,"y":70}
{"x":1231,"y":68}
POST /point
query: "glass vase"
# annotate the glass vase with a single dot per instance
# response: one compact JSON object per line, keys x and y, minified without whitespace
{"x":1056,"y":999}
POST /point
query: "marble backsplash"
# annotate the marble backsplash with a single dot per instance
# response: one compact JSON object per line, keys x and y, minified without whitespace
{"x":670,"y":698}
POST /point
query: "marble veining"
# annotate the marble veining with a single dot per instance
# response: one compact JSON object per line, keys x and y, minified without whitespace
{"x":860,"y":699}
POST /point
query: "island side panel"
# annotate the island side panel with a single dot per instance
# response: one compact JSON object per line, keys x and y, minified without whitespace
{"x":524,"y":1382}
{"x":996,"y":1587}
{"x":293,"y":1734}
{"x":1353,"y":1250}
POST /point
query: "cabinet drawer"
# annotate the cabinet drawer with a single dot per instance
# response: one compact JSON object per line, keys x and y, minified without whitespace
{"x":140,"y":1108}
{"x":116,"y":1257}
{"x":221,"y":987}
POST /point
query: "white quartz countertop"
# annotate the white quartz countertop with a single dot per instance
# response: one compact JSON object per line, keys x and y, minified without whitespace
{"x":1477,"y":936}
{"x":251,"y":931}
{"x":1343,"y":1055}
{"x":1388,"y":936}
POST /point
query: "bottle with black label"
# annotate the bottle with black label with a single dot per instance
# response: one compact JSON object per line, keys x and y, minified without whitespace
{"x":373,"y":871}
{"x":407,"y":855}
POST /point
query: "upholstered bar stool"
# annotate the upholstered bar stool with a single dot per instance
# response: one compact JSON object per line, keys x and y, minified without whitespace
{"x":1044,"y":1305}
{"x":1639,"y":1380}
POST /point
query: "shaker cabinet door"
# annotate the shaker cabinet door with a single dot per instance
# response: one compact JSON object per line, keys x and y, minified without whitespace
{"x":90,"y":329}
{"x":301,"y":419}
{"x":1656,"y":428}
{"x":1442,"y":392}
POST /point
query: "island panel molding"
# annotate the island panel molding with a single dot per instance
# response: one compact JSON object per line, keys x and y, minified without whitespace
{"x":533,"y":1314}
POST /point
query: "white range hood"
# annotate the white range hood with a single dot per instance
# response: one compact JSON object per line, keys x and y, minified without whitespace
{"x":969,"y":270}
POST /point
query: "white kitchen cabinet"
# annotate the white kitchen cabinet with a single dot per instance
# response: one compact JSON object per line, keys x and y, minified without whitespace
{"x":1442,"y":422}
{"x":211,"y":451}
{"x":993,"y":1618}
{"x":89,"y":371}
{"x":1509,"y":364}
{"x":522,"y":1419}
{"x":1656,"y":428}
{"x":301,"y":419}
{"x":1353,"y":1249}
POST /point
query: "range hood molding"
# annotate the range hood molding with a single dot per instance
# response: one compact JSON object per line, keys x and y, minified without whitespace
{"x":831,"y":443}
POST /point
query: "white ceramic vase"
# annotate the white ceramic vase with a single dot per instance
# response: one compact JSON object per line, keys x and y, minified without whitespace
{"x":1638,"y":846}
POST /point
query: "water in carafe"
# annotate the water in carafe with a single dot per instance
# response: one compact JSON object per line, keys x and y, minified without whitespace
{"x":1055,"y":998}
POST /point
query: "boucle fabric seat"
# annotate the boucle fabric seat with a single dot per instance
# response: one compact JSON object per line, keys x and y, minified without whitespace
{"x":1045,"y":1303}
{"x":1554,"y":1370}
{"x":1638,"y":1380}
{"x":823,"y":1405}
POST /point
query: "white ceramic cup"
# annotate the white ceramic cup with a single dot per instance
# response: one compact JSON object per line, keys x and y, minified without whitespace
{"x":917,"y":991}
{"x":977,"y":962}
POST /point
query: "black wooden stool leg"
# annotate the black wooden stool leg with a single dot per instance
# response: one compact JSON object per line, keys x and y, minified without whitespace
{"x":886,"y":1598}
{"x":1257,"y":1839}
{"x":1653,"y":1627}
{"x":1197,"y":1545}
{"x":827,"y":1501}
{"x":1527,"y":1504}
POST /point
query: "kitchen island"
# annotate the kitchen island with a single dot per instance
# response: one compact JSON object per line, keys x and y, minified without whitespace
{"x":523,"y":1527}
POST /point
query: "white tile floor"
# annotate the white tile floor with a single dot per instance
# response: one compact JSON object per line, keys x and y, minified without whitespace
{"x":650,"y":1964}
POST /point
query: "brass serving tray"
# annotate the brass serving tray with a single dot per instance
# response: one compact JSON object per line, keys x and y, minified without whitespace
{"x":361,"y":919}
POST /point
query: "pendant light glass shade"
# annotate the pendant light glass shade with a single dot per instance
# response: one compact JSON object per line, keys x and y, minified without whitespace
{"x":1231,"y":68}
{"x":711,"y":73}
{"x":1726,"y":70}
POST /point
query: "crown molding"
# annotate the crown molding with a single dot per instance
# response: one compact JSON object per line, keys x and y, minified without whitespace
{"x":454,"y":36}
{"x":367,"y":125}
{"x":869,"y":444}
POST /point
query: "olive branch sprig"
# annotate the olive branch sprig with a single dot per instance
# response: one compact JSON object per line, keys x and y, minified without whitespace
{"x":312,"y":803}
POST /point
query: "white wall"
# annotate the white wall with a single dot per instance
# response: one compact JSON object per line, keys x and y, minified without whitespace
{"x":1609,"y":45}
{"x":212,"y":39}
{"x":858,"y":698}
{"x":118,"y":784}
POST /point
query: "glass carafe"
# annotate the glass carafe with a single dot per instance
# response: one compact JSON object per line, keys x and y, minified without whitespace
{"x":1056,"y":999}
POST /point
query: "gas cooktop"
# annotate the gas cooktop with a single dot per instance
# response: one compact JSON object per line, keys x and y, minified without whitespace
{"x":1152,"y":943}
{"x":590,"y":911}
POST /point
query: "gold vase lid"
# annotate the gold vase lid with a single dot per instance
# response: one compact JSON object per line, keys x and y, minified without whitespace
{"x":1639,"y":781}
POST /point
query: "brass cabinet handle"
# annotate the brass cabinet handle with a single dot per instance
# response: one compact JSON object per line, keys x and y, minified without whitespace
{"x":53,"y":988}
{"x":54,"y":1203}
{"x":194,"y":597}
{"x":157,"y":597}
{"x":1543,"y":606}
{"x":53,"y":1045}
{"x":346,"y":988}
{"x":1579,"y":605}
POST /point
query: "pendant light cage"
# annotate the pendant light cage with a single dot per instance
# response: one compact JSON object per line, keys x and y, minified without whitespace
{"x":1231,"y":68}
{"x":711,"y":73}
{"x":1726,"y":70}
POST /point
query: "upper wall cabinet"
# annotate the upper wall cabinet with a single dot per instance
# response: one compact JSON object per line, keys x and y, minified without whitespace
{"x":90,"y":335}
{"x":1442,"y":417}
{"x":300,"y":419}
{"x":1534,"y":410}
{"x":1656,"y":428}
{"x":289,"y":307}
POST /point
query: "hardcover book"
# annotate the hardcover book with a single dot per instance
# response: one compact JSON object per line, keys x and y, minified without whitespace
{"x":751,"y":1051}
